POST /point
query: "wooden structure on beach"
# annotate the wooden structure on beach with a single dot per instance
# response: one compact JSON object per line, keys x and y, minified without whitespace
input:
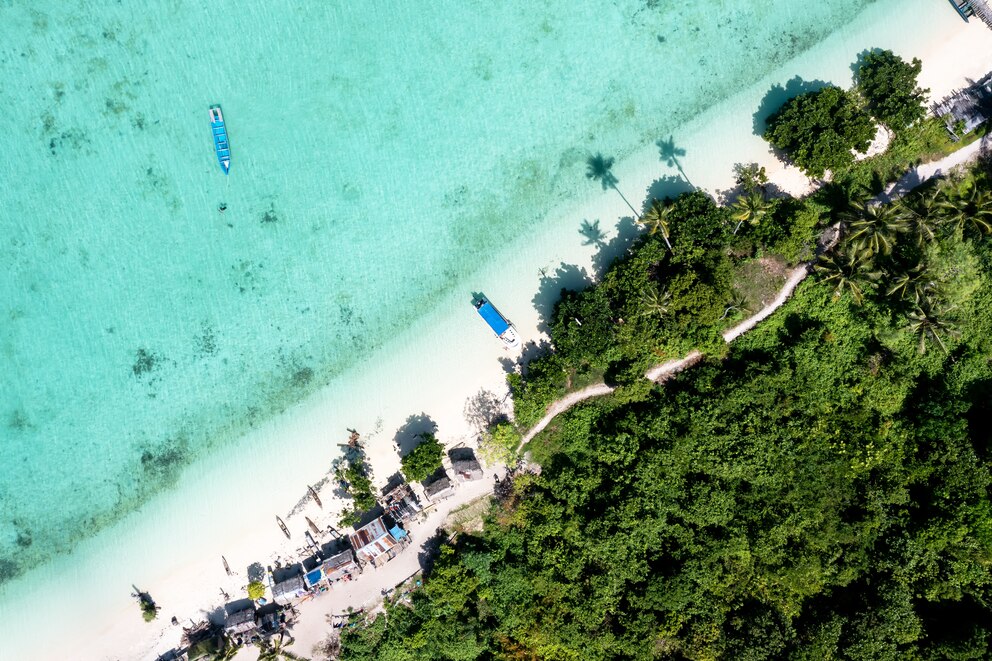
{"x":967,"y":109}
{"x":374,"y":544}
{"x":286,"y":590}
{"x":979,"y":9}
{"x":401,"y":503}
{"x":439,"y":489}
{"x":240,"y":622}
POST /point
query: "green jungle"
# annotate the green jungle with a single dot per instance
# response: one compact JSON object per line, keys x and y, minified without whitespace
{"x":818,"y":489}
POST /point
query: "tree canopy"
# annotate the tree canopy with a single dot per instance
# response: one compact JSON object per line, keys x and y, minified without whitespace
{"x":889,"y":85}
{"x":818,"y":130}
{"x":421,"y":462}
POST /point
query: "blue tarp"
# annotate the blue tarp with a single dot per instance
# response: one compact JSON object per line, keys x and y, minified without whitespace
{"x":314,"y":577}
{"x":397,"y":533}
{"x":493,"y":318}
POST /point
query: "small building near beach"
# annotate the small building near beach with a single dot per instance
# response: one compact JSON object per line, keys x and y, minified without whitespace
{"x":374,"y":544}
{"x":340,"y":566}
{"x":967,"y":109}
{"x":439,"y":489}
{"x":240,"y":622}
{"x":401,"y":503}
{"x":467,"y":469}
{"x":286,"y":590}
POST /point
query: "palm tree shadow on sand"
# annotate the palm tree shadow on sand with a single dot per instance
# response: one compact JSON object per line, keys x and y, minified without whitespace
{"x":670,"y":154}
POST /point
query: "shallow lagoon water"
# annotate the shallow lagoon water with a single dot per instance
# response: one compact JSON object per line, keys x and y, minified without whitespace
{"x":381,"y":154}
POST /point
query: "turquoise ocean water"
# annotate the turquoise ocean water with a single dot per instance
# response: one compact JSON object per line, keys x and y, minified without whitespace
{"x":381,"y":153}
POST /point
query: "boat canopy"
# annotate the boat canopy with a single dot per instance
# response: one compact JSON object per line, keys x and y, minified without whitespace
{"x":493,"y":318}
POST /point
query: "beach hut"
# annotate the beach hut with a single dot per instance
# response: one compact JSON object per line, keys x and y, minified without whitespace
{"x":439,"y":489}
{"x":966,"y":109}
{"x":401,"y":503}
{"x":286,"y":590}
{"x":374,"y":544}
{"x":240,"y":622}
{"x":340,"y":566}
{"x":467,"y":469}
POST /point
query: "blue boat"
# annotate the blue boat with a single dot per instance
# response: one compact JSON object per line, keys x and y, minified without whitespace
{"x":221,"y":145}
{"x":498,"y":323}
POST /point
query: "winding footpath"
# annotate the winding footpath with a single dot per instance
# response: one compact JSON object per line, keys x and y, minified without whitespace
{"x":659,"y":373}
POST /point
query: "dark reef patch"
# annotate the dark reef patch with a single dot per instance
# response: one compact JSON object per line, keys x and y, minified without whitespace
{"x":160,"y":466}
{"x":145,"y":362}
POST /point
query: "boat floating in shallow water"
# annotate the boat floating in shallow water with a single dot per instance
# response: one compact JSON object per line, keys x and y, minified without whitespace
{"x":498,"y":323}
{"x":221,"y":145}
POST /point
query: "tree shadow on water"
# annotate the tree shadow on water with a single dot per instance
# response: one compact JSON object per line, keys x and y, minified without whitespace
{"x":566,"y":276}
{"x":778,"y":95}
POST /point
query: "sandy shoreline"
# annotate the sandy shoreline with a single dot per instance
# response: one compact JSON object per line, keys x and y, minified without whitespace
{"x":442,"y":367}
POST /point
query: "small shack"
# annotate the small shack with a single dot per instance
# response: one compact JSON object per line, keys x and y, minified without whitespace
{"x":240,"y":622}
{"x":967,"y":109}
{"x":401,"y":503}
{"x":340,"y":566}
{"x":372,"y":543}
{"x":288,"y":589}
{"x":439,"y":489}
{"x":467,"y":468}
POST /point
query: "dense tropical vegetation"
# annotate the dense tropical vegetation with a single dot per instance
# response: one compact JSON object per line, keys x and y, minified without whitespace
{"x":820,"y":489}
{"x":421,"y":462}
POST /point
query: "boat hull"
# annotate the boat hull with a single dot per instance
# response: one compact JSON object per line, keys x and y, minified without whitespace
{"x":221,"y":144}
{"x":499,"y":324}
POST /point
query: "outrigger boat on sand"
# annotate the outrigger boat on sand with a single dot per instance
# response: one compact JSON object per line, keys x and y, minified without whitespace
{"x":498,"y":323}
{"x":282,"y":526}
{"x":221,"y":145}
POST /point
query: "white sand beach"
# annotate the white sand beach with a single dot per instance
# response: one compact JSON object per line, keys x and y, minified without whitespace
{"x":440,"y":367}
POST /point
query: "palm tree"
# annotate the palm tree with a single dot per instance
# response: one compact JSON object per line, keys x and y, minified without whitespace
{"x":971,"y":209}
{"x":600,"y":168}
{"x":275,"y":650}
{"x":670,"y":154}
{"x":750,"y":208}
{"x":847,"y":272}
{"x":228,"y":653}
{"x":913,"y":284}
{"x":873,"y":228}
{"x":655,"y":302}
{"x":922,"y":214}
{"x":656,"y":220}
{"x":927,"y":321}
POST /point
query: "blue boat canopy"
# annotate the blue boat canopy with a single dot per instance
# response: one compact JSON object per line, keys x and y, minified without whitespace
{"x":397,"y":533}
{"x":493,"y":318}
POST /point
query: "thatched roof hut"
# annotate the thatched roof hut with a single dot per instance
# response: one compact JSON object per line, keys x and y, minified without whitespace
{"x":440,"y":488}
{"x":467,"y":469}
{"x":240,"y":622}
{"x":285,"y":591}
{"x":340,"y":565}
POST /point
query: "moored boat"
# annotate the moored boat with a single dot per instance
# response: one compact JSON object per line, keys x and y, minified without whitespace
{"x":498,"y":323}
{"x":221,"y":144}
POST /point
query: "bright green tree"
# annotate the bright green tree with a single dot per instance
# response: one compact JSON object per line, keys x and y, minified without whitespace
{"x":818,"y":130}
{"x":889,"y":85}
{"x":421,"y":462}
{"x":256,"y":590}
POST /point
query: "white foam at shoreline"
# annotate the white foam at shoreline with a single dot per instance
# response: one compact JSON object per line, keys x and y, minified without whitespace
{"x":226,"y":504}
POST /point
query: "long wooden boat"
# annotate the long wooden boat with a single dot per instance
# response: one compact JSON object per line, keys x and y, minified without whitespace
{"x":316,"y":498}
{"x":221,"y":144}
{"x":282,"y":526}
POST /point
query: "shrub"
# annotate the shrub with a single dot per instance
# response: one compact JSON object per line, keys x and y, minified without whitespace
{"x":421,"y":462}
{"x":819,"y":129}
{"x":889,"y":85}
{"x":256,"y":590}
{"x":499,"y":444}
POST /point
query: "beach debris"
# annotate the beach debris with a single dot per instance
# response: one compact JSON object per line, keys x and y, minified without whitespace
{"x":227,"y":567}
{"x":316,"y":498}
{"x":282,"y":526}
{"x":313,"y":526}
{"x":354,"y":438}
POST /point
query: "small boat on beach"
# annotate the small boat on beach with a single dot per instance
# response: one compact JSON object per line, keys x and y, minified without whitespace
{"x":498,"y":323}
{"x":316,"y":498}
{"x":221,"y":144}
{"x":282,"y":526}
